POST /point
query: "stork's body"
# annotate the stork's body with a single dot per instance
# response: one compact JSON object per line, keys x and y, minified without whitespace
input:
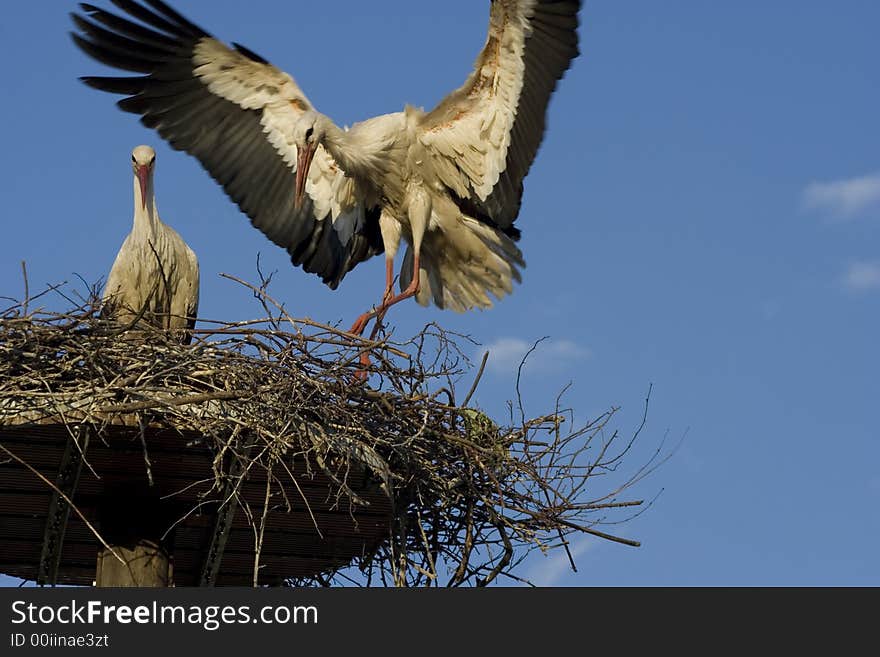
{"x":155,"y":277}
{"x":447,"y":182}
{"x":452,"y":258}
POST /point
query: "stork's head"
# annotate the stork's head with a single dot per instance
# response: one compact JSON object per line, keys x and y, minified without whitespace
{"x":308,"y":133}
{"x":143,"y":160}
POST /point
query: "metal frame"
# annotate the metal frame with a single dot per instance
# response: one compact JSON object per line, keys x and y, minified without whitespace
{"x":223,"y":523}
{"x":59,"y":509}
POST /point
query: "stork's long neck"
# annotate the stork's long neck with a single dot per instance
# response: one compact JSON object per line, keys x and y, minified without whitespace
{"x":146,"y":217}
{"x":359,"y":154}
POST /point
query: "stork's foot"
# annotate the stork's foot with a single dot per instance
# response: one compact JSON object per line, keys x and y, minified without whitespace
{"x":361,"y":375}
{"x":387,"y":297}
{"x":378,"y":312}
{"x":361,"y":322}
{"x":390,"y":300}
{"x":378,"y":326}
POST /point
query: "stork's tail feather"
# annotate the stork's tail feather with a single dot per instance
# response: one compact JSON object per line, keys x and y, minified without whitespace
{"x":466,"y":267}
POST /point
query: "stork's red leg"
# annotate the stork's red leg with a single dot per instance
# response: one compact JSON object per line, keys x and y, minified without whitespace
{"x":388,"y":301}
{"x":379,"y":313}
{"x":411,"y":290}
{"x":389,"y":279}
{"x":361,"y":322}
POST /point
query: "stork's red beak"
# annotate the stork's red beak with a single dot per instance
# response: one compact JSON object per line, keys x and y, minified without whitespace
{"x":303,"y":162}
{"x":142,"y":171}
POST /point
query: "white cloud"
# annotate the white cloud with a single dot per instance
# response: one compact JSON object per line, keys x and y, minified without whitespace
{"x":551,"y":570}
{"x":862,"y":276}
{"x":844,"y":198}
{"x":505,"y":354}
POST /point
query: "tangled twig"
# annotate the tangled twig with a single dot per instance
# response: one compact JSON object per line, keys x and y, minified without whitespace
{"x":470,"y":497}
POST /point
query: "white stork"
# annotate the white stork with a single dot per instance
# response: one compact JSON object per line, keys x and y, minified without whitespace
{"x":448,"y":181}
{"x":155,"y":277}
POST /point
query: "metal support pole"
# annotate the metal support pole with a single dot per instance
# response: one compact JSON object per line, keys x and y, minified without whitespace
{"x":223,"y":522}
{"x":59,"y":509}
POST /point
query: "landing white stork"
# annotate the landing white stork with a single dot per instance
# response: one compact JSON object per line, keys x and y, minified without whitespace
{"x":155,"y":277}
{"x":448,"y":181}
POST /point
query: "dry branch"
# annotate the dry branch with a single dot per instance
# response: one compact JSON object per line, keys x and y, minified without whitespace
{"x":470,"y":497}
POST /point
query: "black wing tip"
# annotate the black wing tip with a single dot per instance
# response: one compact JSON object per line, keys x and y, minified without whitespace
{"x":152,"y":14}
{"x":81,"y":42}
{"x":250,"y":54}
{"x":129,"y":86}
{"x":179,"y":19}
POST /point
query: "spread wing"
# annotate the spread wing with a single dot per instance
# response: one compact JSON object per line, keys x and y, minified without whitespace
{"x":483,"y":137}
{"x":234,"y":112}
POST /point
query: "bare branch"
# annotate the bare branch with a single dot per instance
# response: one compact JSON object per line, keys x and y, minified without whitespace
{"x":470,"y":496}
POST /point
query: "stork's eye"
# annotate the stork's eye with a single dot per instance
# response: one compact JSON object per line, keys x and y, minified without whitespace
{"x":133,"y":160}
{"x":152,"y":160}
{"x":309,"y":134}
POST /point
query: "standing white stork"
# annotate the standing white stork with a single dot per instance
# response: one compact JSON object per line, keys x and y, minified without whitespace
{"x":155,"y":277}
{"x":448,"y":181}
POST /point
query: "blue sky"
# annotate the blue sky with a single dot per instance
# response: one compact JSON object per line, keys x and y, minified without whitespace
{"x":703,"y":216}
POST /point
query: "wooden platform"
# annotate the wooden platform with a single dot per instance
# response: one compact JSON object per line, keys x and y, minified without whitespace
{"x":313,"y":537}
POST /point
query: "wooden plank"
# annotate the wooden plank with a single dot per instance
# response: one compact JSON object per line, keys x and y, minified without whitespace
{"x":292,"y":546}
{"x":15,"y":478}
{"x":187,"y":562}
{"x":28,"y":530}
{"x":35,"y":504}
